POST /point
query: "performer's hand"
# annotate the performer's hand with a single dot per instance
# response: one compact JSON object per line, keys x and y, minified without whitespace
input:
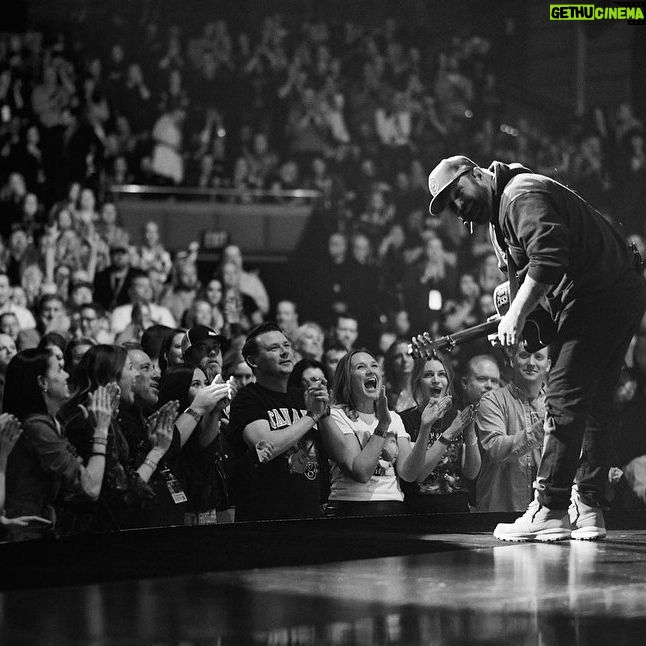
{"x":510,"y":329}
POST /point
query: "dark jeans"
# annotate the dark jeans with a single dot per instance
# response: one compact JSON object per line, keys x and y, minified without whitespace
{"x":587,"y":356}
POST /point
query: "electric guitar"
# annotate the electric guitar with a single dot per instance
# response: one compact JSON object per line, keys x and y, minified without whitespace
{"x":538,"y":333}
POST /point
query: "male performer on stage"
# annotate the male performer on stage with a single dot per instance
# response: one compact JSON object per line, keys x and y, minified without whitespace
{"x":567,"y":255}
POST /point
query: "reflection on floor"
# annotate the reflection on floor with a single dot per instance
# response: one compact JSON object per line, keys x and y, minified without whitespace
{"x":480,"y":592}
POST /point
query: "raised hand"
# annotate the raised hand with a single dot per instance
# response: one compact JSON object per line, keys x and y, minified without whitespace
{"x":207,"y":398}
{"x":381,"y":409}
{"x":461,"y":421}
{"x":100,"y":406}
{"x":115,"y":395}
{"x":436,"y":409}
{"x":317,"y":399}
{"x":163,"y":435}
{"x":151,"y":421}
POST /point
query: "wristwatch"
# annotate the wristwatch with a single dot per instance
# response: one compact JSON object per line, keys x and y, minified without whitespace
{"x":442,"y":440}
{"x":193,"y":413}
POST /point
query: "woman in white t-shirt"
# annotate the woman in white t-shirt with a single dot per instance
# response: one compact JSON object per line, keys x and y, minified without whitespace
{"x":367,"y":443}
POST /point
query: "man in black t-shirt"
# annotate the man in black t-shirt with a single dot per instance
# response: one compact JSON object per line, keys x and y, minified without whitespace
{"x":266,"y":413}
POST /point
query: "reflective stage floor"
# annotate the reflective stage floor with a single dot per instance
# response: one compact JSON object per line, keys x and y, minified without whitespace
{"x":465,"y":588}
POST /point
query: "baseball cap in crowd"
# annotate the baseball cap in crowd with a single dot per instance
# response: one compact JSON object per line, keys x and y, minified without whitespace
{"x":200,"y":333}
{"x":443,"y":175}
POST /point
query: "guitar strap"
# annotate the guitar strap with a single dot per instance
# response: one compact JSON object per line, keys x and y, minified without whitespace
{"x":505,"y":261}
{"x":513,"y":278}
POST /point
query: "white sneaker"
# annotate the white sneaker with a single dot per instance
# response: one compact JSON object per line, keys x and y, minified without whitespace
{"x":538,"y":523}
{"x":587,"y":522}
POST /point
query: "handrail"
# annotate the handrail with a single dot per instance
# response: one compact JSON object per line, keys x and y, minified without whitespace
{"x":141,"y":189}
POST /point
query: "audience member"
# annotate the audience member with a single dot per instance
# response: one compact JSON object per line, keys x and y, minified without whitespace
{"x":346,"y":330}
{"x":308,"y":341}
{"x":287,"y":482}
{"x":452,"y":456}
{"x":26,"y":320}
{"x":139,"y":293}
{"x":249,"y":283}
{"x":367,"y":443}
{"x":398,"y":369}
{"x":111,"y":285}
{"x":332,"y":356}
{"x":509,"y":423}
{"x":126,"y":491}
{"x":287,"y":318}
{"x":202,"y":347}
{"x":44,"y":460}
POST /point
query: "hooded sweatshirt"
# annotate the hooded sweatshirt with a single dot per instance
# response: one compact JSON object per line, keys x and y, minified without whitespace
{"x":556,"y":237}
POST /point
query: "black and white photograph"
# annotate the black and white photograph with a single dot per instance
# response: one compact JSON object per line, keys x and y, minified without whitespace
{"x":322,"y":323}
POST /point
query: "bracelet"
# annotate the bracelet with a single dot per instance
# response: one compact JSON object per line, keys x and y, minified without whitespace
{"x":149,"y":463}
{"x":443,"y":440}
{"x":379,"y":433}
{"x":193,"y":413}
{"x":313,"y":416}
{"x":103,"y":441}
{"x":96,"y":453}
{"x":326,"y":413}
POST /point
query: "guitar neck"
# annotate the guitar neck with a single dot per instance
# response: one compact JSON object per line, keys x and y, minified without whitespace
{"x":470,"y":333}
{"x":425,"y":348}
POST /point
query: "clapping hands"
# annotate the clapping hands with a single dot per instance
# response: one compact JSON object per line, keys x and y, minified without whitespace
{"x":436,"y":409}
{"x":382,"y":413}
{"x":162,"y":432}
{"x":460,"y":423}
{"x":214,"y":396}
{"x":101,"y":407}
{"x":317,"y":399}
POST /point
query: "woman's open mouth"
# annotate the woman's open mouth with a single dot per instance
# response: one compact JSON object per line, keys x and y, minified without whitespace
{"x":371,"y":383}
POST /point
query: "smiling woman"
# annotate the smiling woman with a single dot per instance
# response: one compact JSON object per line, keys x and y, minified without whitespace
{"x":126,"y":490}
{"x":43,"y":459}
{"x":367,"y":442}
{"x":452,"y":452}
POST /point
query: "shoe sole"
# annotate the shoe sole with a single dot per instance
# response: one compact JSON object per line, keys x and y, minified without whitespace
{"x":584,"y":534}
{"x":547,"y":536}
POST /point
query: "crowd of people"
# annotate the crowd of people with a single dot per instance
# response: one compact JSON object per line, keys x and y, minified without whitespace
{"x":137,"y":394}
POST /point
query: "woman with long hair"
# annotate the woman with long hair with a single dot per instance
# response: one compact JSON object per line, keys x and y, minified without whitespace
{"x":125,"y":490}
{"x":43,"y":459}
{"x":204,"y":452}
{"x":170,"y":353}
{"x":452,"y":452}
{"x":213,"y":294}
{"x":306,"y":373}
{"x":398,"y":368}
{"x":367,"y":442}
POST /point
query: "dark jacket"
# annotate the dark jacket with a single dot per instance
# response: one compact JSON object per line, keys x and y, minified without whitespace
{"x":105,"y":295}
{"x":556,"y":237}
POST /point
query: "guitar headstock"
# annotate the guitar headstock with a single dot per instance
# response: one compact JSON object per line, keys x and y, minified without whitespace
{"x":423,"y":347}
